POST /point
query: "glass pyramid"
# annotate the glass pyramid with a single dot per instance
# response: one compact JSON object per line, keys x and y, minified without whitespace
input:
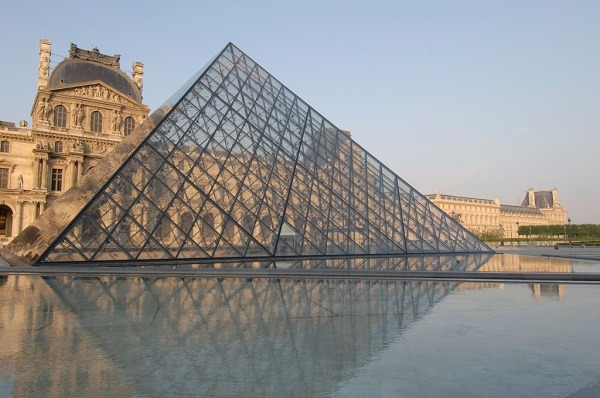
{"x":240,"y":167}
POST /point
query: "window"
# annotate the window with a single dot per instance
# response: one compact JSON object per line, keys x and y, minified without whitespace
{"x":60,"y":116}
{"x":3,"y":177}
{"x":186,"y":221}
{"x":129,"y":125}
{"x":4,"y":146}
{"x":57,"y":177}
{"x":164,"y":228}
{"x":265,"y":232}
{"x":58,"y":146}
{"x":207,"y":226}
{"x":248,"y":223}
{"x":96,"y":122}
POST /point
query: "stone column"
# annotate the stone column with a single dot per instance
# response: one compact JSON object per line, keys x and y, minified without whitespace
{"x":42,"y":207}
{"x":68,"y":181}
{"x":36,"y":172}
{"x":44,"y":184}
{"x":79,"y":169}
{"x":34,"y":214}
{"x":72,"y":172}
{"x":19,"y":217}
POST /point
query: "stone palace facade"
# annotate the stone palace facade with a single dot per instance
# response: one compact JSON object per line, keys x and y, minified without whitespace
{"x":82,"y":109}
{"x":487,"y":217}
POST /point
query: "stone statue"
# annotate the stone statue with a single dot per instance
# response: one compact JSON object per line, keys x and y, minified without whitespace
{"x":138,"y":74}
{"x":20,"y":181}
{"x":44,"y":63}
{"x":78,"y":115}
{"x":115,"y":97}
{"x":43,"y":67}
{"x":117,"y":119}
{"x":73,"y":50}
{"x":23,"y":124}
{"x":40,"y":109}
{"x":47,"y":110}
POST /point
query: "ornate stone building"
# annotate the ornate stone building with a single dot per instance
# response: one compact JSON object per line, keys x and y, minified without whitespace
{"x":489,"y":217}
{"x":83,"y":108}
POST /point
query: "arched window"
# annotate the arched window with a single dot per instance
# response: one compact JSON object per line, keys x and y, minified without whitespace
{"x":96,"y":122}
{"x":248,"y":223}
{"x":265,"y":232}
{"x":5,"y":220}
{"x":229,"y":232}
{"x":129,"y":125}
{"x":4,"y":146}
{"x":164,"y":229}
{"x":208,"y":225}
{"x":185,"y":222}
{"x":58,"y":146}
{"x":60,"y":116}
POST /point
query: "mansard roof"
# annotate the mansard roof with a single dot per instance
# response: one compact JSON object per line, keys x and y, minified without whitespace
{"x":520,"y":210}
{"x":464,"y":199}
{"x":543,"y":199}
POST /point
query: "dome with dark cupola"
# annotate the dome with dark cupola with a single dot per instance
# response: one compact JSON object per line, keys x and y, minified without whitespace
{"x":89,"y":66}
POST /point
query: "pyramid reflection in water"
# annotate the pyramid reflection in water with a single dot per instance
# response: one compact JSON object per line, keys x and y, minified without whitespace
{"x":239,"y":167}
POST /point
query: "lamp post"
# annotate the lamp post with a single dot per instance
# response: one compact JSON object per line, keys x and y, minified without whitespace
{"x":501,"y":235}
{"x":518,"y":242}
{"x":569,"y":231}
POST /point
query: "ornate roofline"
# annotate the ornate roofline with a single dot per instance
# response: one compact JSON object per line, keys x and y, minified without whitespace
{"x":95,"y":56}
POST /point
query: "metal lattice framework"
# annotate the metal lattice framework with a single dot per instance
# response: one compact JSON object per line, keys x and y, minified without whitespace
{"x":240,"y":167}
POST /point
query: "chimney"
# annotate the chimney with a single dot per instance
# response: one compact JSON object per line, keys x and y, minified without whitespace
{"x":531,"y":195}
{"x":555,"y":201}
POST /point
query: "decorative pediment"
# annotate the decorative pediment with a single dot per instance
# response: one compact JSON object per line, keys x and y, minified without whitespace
{"x":98,"y":91}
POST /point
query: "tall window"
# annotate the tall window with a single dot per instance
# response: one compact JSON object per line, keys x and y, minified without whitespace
{"x":58,"y":146}
{"x":207,"y":226}
{"x":4,"y":146}
{"x":96,"y":122}
{"x":57,"y":179}
{"x":129,"y":125}
{"x":3,"y":177}
{"x":186,"y":221}
{"x":60,"y":116}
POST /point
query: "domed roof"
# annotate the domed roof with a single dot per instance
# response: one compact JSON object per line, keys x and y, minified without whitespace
{"x":75,"y":70}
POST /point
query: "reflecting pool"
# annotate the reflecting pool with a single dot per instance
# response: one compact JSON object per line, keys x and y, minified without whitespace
{"x":141,"y":336}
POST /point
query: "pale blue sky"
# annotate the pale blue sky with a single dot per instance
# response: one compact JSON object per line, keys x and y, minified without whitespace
{"x":473,"y":98}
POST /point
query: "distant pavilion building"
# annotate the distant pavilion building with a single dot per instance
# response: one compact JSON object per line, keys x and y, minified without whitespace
{"x":490,"y":217}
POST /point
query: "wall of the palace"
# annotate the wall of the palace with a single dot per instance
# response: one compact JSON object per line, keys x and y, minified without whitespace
{"x":67,"y":146}
{"x":489,"y":217}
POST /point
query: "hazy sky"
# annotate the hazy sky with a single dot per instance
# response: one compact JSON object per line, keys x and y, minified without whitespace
{"x":480,"y":99}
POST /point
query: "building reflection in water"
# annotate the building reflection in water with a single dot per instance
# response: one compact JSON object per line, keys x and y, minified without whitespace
{"x":115,"y":336}
{"x":516,"y":263}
